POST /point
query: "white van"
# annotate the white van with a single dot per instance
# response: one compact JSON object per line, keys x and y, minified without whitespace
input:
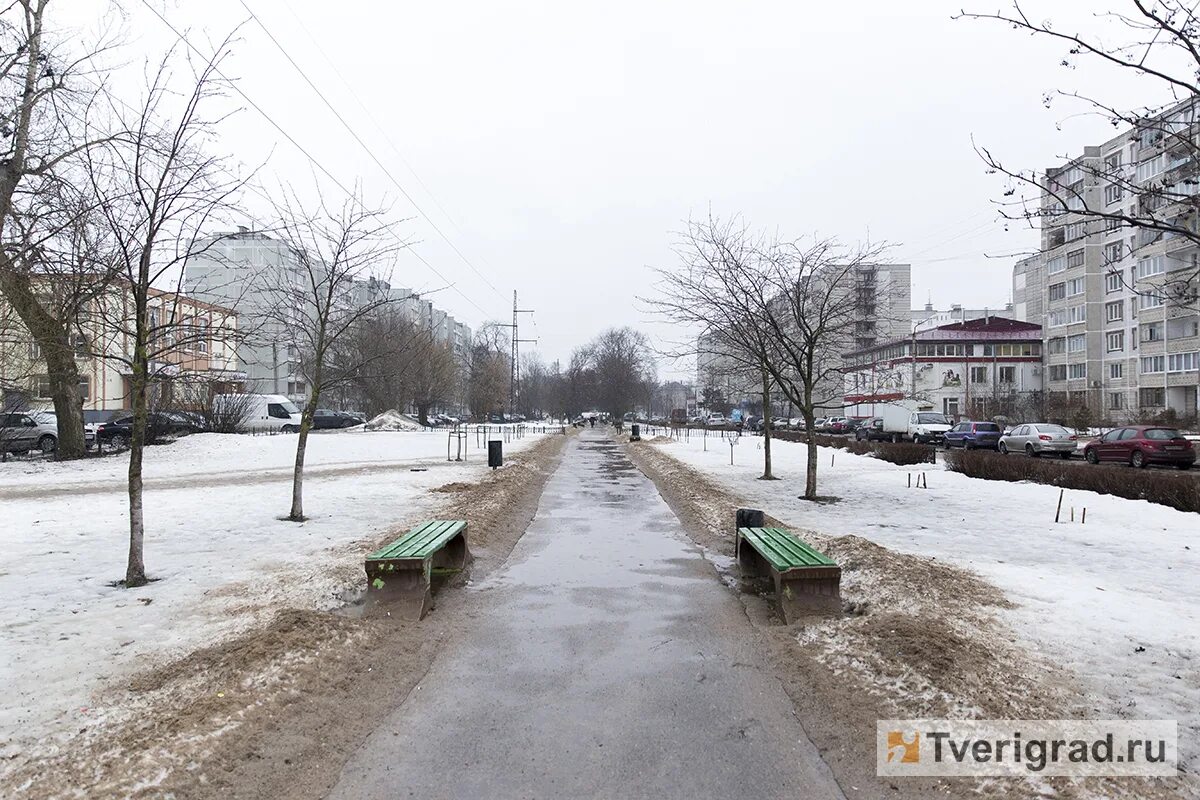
{"x":261,"y":412}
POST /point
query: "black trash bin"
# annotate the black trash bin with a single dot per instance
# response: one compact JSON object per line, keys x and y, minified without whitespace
{"x":495,"y":453}
{"x":635,"y":433}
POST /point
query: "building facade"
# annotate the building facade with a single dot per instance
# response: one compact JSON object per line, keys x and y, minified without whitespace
{"x":980,"y":368}
{"x":1122,"y":335}
{"x":193,"y":353}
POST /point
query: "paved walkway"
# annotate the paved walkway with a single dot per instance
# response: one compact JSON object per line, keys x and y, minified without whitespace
{"x":605,"y":660}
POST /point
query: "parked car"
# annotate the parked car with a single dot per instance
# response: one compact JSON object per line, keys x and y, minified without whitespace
{"x":21,"y":432}
{"x":325,"y":419}
{"x":716,"y":420}
{"x":970,"y":435}
{"x":1036,"y":438}
{"x":1142,"y":445}
{"x":836,"y":424}
{"x":89,"y":430}
{"x":872,"y":431}
{"x":819,"y":424}
{"x":118,"y":431}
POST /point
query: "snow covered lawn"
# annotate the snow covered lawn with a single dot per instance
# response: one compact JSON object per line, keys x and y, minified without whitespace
{"x":1090,"y":596}
{"x":213,"y":541}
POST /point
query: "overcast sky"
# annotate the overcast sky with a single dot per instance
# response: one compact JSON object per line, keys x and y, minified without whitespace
{"x":558,"y":145}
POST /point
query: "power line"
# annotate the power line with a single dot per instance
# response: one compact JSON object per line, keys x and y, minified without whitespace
{"x":350,"y":129}
{"x":316,"y":43}
{"x":321,"y":167}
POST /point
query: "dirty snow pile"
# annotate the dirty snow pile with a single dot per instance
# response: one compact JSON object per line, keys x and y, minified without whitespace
{"x":219,"y":555}
{"x":393,"y":420}
{"x":1115,"y":600}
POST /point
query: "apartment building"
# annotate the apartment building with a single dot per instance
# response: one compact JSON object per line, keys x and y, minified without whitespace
{"x":927,"y":318}
{"x":193,"y":352}
{"x":979,"y":367}
{"x":1121,"y":334}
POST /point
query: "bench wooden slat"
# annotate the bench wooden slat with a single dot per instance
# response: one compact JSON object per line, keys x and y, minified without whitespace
{"x":784,"y":550}
{"x":420,"y":542}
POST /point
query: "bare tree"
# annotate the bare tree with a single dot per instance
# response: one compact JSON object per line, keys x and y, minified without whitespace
{"x":47,"y":99}
{"x":156,"y":188}
{"x":488,"y":373}
{"x":715,"y":292}
{"x":622,"y":363}
{"x":337,"y":251}
{"x":1151,"y":184}
{"x":813,"y":296}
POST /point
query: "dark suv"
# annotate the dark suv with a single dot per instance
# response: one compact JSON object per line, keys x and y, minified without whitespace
{"x":969,"y":435}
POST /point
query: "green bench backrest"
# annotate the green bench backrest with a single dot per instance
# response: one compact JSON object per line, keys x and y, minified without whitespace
{"x":422,"y":541}
{"x":783,"y":549}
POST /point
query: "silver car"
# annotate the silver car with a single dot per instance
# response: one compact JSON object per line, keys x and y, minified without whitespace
{"x":1036,"y":438}
{"x":21,"y":432}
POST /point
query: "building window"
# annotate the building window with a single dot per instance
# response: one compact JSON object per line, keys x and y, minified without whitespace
{"x":1076,"y":371}
{"x":1151,"y":300}
{"x":1152,"y":397}
{"x":1114,"y":311}
{"x":1008,"y":375}
{"x":1058,"y":372}
{"x":1152,"y":333}
{"x":1057,"y":318}
{"x":202,"y":334}
{"x":1111,"y":224}
{"x":1056,"y":345}
{"x":1152,"y":364}
{"x":1114,"y":342}
{"x":1112,"y":282}
{"x":1058,"y":291}
{"x":35,"y":350}
{"x":1112,"y":194}
{"x":1116,"y":371}
{"x":1075,"y":231}
{"x":979,"y":375}
{"x":1076,"y":314}
{"x":1075,"y":287}
{"x":1116,"y":401}
{"x":1075,"y":258}
{"x":1056,"y":265}
{"x":1183,"y":362}
{"x":1155,"y":265}
{"x":42,"y":387}
{"x":1077,"y":343}
{"x":1112,"y":253}
{"x":295,"y":387}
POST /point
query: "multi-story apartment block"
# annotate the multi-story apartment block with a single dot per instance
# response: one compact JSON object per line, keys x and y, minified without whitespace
{"x":980,"y":367}
{"x":1121,"y":322}
{"x":244,"y":270}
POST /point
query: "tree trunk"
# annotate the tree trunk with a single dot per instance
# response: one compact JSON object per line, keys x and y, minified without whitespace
{"x":135,"y":570}
{"x":810,"y":469}
{"x":423,"y":414}
{"x":297,"y":513}
{"x":54,"y":340}
{"x":766,"y":388}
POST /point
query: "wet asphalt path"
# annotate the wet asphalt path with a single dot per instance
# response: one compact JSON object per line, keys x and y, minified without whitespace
{"x":605,"y":660}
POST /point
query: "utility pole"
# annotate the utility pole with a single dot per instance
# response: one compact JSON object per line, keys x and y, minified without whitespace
{"x":514,"y":378}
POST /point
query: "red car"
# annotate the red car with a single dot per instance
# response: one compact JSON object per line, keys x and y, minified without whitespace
{"x":1141,"y":445}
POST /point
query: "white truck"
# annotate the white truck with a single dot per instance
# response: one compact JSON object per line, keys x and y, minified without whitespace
{"x":259,"y":412}
{"x":903,"y":421}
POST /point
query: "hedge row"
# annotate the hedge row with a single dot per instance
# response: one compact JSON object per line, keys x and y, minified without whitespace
{"x":1175,"y":489}
{"x":902,"y":453}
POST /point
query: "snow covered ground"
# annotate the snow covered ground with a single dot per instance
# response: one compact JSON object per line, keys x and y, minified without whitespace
{"x":1090,"y":595}
{"x":214,"y":542}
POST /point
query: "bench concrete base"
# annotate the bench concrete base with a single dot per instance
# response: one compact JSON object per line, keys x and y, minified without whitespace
{"x":408,"y":582}
{"x":801,"y":591}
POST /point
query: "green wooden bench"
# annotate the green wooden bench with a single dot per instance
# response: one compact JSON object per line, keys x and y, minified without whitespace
{"x":806,"y":581}
{"x":404,"y":569}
